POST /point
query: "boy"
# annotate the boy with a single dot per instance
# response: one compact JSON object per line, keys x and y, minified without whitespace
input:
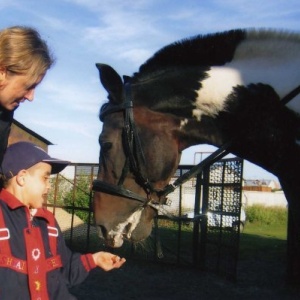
{"x":35,"y":263}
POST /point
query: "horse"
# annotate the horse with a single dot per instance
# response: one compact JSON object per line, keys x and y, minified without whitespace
{"x":237,"y":89}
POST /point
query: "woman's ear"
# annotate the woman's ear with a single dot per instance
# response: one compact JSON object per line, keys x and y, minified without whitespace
{"x":3,"y":73}
{"x":3,"y":76}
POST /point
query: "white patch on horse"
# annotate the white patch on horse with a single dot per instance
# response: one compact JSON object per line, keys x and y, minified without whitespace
{"x":117,"y":233}
{"x":211,"y":97}
{"x":272,"y":59}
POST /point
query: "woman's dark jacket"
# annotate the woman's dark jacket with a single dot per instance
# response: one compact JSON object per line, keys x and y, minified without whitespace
{"x":6,"y":118}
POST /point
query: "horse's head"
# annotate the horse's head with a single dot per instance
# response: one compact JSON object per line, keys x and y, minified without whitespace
{"x":139,"y":152}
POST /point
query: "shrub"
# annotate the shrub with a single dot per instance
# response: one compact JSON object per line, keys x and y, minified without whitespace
{"x":79,"y":197}
{"x":266,"y":215}
{"x":59,"y":189}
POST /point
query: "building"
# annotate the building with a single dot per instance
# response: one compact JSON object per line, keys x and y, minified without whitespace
{"x":260,"y":185}
{"x":19,"y":133}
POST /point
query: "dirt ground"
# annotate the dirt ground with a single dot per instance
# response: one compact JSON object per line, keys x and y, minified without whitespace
{"x":150,"y":280}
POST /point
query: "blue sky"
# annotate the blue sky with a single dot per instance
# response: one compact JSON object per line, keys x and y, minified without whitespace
{"x":123,"y":34}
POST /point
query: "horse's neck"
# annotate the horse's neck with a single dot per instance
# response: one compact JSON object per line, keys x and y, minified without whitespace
{"x":273,"y":62}
{"x":260,"y":129}
{"x":193,"y":132}
{"x":265,"y":131}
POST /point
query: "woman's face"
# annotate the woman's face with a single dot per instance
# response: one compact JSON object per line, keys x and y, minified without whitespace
{"x":16,"y":88}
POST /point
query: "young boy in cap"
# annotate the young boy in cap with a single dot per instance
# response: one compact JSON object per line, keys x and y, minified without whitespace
{"x":35,"y":262}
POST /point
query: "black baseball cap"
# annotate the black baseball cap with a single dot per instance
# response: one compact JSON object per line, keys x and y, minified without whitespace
{"x":23,"y":155}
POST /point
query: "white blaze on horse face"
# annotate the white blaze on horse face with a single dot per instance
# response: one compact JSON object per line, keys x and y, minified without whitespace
{"x":117,"y":233}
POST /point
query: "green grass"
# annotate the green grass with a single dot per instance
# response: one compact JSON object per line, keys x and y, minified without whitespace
{"x":265,"y":233}
{"x":272,"y":215}
{"x":259,"y":240}
{"x":263,"y":241}
{"x":277,"y":231}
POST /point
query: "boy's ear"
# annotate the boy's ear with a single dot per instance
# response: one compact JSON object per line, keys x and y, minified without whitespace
{"x":20,"y":177}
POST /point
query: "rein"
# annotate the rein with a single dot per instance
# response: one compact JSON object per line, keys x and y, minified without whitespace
{"x":290,"y":96}
{"x":135,"y":156}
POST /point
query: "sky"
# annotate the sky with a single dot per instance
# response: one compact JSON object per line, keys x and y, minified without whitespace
{"x":123,"y":34}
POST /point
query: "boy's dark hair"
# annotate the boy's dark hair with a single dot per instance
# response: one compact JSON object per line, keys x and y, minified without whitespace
{"x":3,"y":181}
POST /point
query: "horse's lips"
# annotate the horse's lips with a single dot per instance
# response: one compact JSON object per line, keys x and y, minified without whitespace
{"x":115,"y":237}
{"x":112,"y":240}
{"x":117,"y":241}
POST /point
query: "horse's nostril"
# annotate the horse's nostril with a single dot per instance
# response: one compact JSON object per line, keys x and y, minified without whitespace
{"x":127,"y":230}
{"x":102,"y":231}
{"x":128,"y":226}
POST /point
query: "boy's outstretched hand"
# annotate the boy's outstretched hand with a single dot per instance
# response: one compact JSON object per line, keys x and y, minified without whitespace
{"x":108,"y":261}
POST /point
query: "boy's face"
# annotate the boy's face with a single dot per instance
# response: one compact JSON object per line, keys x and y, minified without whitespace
{"x":36,"y":185}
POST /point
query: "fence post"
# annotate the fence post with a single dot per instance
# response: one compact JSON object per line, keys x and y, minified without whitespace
{"x":197,"y":221}
{"x":203,"y":240}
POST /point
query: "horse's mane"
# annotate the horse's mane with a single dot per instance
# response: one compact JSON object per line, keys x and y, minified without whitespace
{"x":169,"y":80}
{"x":210,"y":49}
{"x":201,"y":50}
{"x":171,"y":77}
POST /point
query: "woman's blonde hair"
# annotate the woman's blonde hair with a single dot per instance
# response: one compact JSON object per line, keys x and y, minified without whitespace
{"x":22,"y":51}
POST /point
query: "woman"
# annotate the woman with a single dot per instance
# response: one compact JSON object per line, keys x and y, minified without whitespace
{"x":24,"y":61}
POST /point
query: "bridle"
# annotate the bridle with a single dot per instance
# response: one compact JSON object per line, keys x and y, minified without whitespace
{"x":135,"y":157}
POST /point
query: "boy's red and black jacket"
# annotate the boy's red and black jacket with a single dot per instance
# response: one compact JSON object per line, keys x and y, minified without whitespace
{"x":35,"y":262}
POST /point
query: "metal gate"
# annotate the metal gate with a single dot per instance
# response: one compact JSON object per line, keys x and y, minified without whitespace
{"x":222,"y":198}
{"x":214,"y":223}
{"x":204,"y":233}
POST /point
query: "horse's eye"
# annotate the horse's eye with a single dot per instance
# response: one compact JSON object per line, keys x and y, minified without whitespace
{"x":105,"y":146}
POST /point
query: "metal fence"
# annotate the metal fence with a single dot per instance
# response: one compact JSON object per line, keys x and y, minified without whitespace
{"x":204,"y":233}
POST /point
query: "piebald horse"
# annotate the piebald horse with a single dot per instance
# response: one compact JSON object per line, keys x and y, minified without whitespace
{"x":238,"y":88}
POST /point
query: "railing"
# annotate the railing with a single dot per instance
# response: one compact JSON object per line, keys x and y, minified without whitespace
{"x":189,"y":239}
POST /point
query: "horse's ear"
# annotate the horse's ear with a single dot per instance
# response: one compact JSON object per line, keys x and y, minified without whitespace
{"x":126,"y":78}
{"x":111,"y":81}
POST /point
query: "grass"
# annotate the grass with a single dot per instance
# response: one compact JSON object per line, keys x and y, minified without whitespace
{"x":263,"y":241}
{"x":272,"y":215}
{"x":277,"y":231}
